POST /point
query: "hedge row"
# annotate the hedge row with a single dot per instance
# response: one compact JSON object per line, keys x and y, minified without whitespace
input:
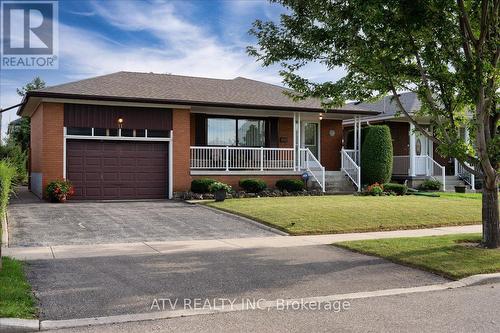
{"x":250,"y":185}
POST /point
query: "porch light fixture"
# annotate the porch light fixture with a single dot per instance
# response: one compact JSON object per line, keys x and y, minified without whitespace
{"x":320,"y":116}
{"x":120,"y":122}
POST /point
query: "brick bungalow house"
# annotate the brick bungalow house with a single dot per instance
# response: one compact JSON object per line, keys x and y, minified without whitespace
{"x":133,"y":135}
{"x":415,"y":156}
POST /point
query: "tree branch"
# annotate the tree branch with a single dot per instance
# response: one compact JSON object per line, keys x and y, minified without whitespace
{"x":466,"y":22}
{"x":420,"y":128}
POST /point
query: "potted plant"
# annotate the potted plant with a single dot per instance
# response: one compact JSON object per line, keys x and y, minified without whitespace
{"x":220,"y":190}
{"x":460,"y":188}
{"x":59,"y":190}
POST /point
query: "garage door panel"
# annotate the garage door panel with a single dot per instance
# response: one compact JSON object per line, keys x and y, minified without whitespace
{"x":117,"y":169}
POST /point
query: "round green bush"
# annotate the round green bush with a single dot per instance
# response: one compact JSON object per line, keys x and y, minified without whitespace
{"x":398,"y":189}
{"x":253,"y":185}
{"x":219,"y":186}
{"x":430,"y":185}
{"x":376,"y":155}
{"x":290,"y":185}
{"x":202,"y":185}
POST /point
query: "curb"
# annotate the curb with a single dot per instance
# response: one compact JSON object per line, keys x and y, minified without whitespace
{"x":43,"y":325}
{"x":14,"y":324}
{"x":5,"y":231}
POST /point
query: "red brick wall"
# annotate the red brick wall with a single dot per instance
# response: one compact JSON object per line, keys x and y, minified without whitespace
{"x":285,"y":131}
{"x":233,"y":180}
{"x":53,"y":141}
{"x":181,"y":122}
{"x":331,"y":146}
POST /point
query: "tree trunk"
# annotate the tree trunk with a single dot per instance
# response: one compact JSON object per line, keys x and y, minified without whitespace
{"x":491,"y":227}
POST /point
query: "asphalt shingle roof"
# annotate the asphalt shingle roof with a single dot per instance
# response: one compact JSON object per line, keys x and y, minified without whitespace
{"x":387,"y":106}
{"x":191,"y":90}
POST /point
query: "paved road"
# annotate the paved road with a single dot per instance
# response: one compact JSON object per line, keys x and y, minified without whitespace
{"x":104,"y":286}
{"x":472,"y":309}
{"x":36,"y":223}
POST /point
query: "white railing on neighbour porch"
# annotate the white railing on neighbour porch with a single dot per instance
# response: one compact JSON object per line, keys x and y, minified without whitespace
{"x":465,"y":175}
{"x":350,"y":168}
{"x":434,"y":170}
{"x":310,"y":163}
{"x":242,"y":158}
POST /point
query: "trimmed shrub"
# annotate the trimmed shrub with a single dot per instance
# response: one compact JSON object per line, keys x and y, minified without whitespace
{"x":202,"y":185}
{"x":290,"y":185}
{"x":219,"y":186}
{"x":376,"y":155}
{"x":253,"y":185}
{"x":430,"y":185}
{"x":398,"y":189}
{"x":7,"y":174}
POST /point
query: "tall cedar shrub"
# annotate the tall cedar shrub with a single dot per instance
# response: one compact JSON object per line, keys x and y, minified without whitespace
{"x":376,"y":155}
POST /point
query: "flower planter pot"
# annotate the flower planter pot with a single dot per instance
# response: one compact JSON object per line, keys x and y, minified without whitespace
{"x":459,"y":189}
{"x":220,"y":195}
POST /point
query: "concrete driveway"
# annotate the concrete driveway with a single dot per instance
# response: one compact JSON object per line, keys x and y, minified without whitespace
{"x":36,"y":223}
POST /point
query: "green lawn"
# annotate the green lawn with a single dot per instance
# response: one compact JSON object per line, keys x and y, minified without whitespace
{"x":348,"y":213}
{"x":16,"y":299}
{"x":444,"y":255}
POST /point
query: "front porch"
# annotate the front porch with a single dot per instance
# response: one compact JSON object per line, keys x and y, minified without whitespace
{"x":254,"y":144}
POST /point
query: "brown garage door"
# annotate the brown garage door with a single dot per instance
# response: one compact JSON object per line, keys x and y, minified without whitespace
{"x":117,"y":169}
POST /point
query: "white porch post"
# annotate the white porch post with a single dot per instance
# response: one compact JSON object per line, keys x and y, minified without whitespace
{"x":299,"y":141}
{"x":412,"y":150}
{"x":355,"y":138}
{"x":359,"y":140}
{"x":294,"y":141}
{"x":472,"y":177}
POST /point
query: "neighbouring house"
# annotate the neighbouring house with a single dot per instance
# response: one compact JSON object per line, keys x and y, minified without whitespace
{"x":142,"y":135}
{"x":415,"y":156}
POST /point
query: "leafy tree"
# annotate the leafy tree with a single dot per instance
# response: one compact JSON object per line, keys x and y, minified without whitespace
{"x":376,"y":155}
{"x":446,"y":51}
{"x":20,"y":134}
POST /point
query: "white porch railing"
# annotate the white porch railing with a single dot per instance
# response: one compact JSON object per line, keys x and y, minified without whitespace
{"x":242,"y":158}
{"x":350,"y":168}
{"x":465,"y":175}
{"x":424,"y":166}
{"x":434,"y":170}
{"x":310,"y":163}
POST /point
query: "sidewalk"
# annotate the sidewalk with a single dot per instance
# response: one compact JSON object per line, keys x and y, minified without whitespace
{"x":145,"y":248}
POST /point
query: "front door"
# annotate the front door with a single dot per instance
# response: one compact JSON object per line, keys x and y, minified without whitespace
{"x":310,"y":137}
{"x":421,"y":151}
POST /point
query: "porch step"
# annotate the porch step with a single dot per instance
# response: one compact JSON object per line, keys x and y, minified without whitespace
{"x":334,"y":181}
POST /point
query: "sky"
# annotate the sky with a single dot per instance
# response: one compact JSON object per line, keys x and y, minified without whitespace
{"x":197,"y":38}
